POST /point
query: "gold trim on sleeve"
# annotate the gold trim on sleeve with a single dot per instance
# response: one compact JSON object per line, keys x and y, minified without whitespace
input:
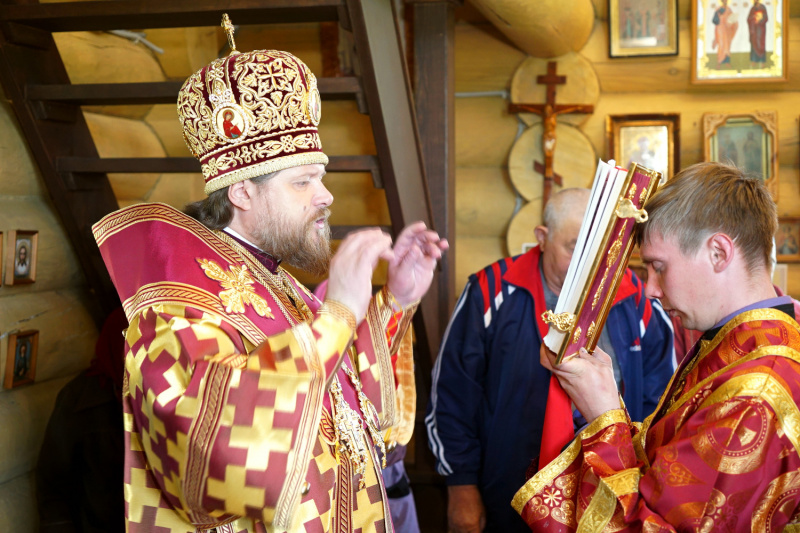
{"x":546,"y":475}
{"x":338,"y":310}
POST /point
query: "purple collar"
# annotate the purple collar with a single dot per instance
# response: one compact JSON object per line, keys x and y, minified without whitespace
{"x":263,"y":257}
{"x":763,"y":304}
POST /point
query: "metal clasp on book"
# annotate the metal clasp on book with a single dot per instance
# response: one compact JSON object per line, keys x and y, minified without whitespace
{"x":626,"y":209}
{"x":563,"y":322}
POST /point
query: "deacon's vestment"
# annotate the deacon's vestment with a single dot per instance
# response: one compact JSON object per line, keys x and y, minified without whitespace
{"x":229,"y":421}
{"x":721,"y":453}
{"x":486,"y":417}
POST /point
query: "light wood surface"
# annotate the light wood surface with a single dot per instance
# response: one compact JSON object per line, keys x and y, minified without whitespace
{"x":520,"y":231}
{"x":574,"y":160}
{"x":485,"y":200}
{"x":581,"y":88}
{"x":545,"y":28}
{"x":26,"y":409}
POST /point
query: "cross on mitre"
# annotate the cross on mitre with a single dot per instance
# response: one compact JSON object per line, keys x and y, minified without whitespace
{"x":227,"y":25}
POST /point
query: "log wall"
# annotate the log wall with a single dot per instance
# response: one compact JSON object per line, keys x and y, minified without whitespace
{"x":58,"y":305}
{"x":485,"y":132}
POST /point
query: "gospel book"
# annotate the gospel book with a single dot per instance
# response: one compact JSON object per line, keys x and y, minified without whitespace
{"x":601,"y":255}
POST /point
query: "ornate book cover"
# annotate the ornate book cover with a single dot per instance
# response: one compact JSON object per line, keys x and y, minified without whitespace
{"x":605,"y":242}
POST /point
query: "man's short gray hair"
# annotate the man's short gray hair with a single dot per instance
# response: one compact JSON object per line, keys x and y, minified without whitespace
{"x":563,"y":204}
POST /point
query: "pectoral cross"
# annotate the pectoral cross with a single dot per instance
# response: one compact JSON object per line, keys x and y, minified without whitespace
{"x":549,"y":111}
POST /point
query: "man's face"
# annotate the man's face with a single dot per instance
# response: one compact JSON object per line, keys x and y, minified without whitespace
{"x":680,"y":282}
{"x":557,"y":250}
{"x":23,"y":254}
{"x":292,"y":218}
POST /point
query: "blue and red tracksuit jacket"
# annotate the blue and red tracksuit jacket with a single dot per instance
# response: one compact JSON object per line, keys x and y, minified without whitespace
{"x":486,"y":411}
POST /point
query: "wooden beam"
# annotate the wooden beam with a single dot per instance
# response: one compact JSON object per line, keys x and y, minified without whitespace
{"x":172,"y":165}
{"x":164,"y":92}
{"x":434,"y":94}
{"x":137,"y":14}
{"x":391,"y":110}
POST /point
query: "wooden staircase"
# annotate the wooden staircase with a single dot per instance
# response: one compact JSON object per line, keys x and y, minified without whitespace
{"x":48,"y":108}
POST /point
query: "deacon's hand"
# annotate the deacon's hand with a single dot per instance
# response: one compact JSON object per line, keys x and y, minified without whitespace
{"x":587,"y":379}
{"x":350,"y":274}
{"x":465,"y":511}
{"x":412,"y":263}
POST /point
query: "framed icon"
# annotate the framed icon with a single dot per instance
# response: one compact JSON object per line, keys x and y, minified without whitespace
{"x":746,"y":140}
{"x":21,"y":257}
{"x":21,"y":358}
{"x":642,"y":28}
{"x":787,"y":240}
{"x":652,"y":140}
{"x":736,"y":41}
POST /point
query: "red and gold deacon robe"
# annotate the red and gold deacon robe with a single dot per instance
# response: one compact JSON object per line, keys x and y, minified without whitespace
{"x":227,"y":411}
{"x":721,"y":452}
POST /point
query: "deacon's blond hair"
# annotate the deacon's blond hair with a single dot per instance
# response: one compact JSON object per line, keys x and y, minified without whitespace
{"x":709,"y":198}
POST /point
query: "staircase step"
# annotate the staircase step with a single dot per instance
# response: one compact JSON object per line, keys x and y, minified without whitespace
{"x":161,"y":165}
{"x":138,"y":14}
{"x":165,"y":92}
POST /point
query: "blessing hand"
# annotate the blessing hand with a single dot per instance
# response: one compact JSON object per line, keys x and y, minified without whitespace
{"x":414,"y":257}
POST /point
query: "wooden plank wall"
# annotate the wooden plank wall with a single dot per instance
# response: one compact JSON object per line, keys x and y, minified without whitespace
{"x":58,"y":304}
{"x":486,"y":61}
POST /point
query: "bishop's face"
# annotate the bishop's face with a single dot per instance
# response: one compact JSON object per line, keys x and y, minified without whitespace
{"x":292,"y":218}
{"x":680,"y":282}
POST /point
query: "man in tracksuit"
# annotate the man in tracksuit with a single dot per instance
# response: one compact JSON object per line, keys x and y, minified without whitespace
{"x":489,"y":392}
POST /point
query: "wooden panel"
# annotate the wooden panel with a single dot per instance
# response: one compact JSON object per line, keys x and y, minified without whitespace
{"x":67,"y":334}
{"x":485,"y":132}
{"x":302,"y":40}
{"x":163,"y":119}
{"x":484,"y":201}
{"x":356,"y":201}
{"x":186,"y":50}
{"x":472,"y":254}
{"x":27,"y":409}
{"x":392,"y":115}
{"x":345,"y":131}
{"x":671,"y":74}
{"x":177,"y":190}
{"x":157,"y":92}
{"x":93,"y":57}
{"x":57,"y":266}
{"x":133,"y":14}
{"x":49,"y":138}
{"x":545,"y":28}
{"x":19,"y":175}
{"x":18,"y":505}
{"x":117,"y":137}
{"x":485,"y":60}
{"x":434,"y":66}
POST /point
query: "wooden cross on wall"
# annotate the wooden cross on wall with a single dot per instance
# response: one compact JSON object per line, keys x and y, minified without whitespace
{"x":549,"y":111}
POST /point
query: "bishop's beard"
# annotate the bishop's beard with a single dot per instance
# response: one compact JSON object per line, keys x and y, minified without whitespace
{"x":301,"y":245}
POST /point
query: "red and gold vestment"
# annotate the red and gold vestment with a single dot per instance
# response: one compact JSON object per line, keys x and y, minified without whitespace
{"x":228,"y":417}
{"x":721,"y":452}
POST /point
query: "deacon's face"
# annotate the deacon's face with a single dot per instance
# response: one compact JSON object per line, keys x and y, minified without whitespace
{"x":292,"y":218}
{"x":557,"y":250}
{"x":680,"y":282}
